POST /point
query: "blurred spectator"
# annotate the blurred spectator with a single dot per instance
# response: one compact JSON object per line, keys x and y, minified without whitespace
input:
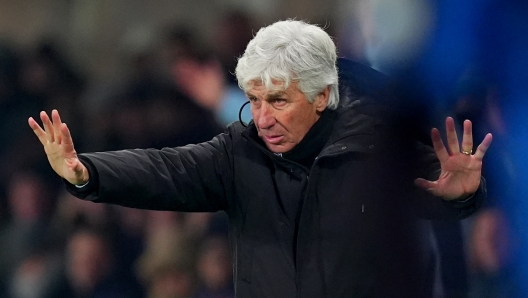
{"x":203,"y":224}
{"x":158,"y":116}
{"x":231,"y":35}
{"x":45,"y":74}
{"x":215,"y":269}
{"x":72,"y":214}
{"x":167,"y":266}
{"x":36,"y":275}
{"x":26,"y":231}
{"x":490,"y":253}
{"x":124,"y":225}
{"x":149,"y":111}
{"x":194,"y":66}
{"x":90,"y":269}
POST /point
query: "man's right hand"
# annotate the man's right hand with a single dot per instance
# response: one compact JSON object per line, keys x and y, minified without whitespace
{"x":58,"y":145}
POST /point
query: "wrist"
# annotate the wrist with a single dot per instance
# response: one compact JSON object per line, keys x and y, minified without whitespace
{"x":85,"y":175}
{"x":82,"y":175}
{"x":465,"y":198}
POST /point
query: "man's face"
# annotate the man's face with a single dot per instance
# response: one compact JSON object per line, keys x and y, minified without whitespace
{"x":284,"y":117}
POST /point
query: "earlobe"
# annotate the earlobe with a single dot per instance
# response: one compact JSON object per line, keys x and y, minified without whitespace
{"x":322,"y":99}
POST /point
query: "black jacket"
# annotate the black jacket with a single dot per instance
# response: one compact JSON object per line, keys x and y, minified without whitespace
{"x":357,"y":233}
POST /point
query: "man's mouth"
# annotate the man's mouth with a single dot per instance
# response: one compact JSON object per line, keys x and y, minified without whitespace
{"x":273,"y":139}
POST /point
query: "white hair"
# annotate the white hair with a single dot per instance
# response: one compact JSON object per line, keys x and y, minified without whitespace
{"x":291,"y":51}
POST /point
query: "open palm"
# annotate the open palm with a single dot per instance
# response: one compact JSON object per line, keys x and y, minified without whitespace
{"x":460,"y":169}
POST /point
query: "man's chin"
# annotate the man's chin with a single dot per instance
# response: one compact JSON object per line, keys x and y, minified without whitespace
{"x":278,"y":148}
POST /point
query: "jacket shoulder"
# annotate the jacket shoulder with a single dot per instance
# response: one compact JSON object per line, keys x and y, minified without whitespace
{"x":235,"y":129}
{"x":357,"y":80}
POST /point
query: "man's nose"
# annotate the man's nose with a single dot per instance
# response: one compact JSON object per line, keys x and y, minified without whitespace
{"x":266,"y":118}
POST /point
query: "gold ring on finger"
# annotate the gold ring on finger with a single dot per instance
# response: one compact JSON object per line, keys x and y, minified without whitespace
{"x":466,"y":152}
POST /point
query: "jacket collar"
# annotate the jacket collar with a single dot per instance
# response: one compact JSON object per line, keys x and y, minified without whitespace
{"x":311,"y":145}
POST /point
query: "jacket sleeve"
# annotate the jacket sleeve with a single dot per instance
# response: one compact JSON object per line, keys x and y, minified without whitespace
{"x":431,"y":207}
{"x":189,"y":178}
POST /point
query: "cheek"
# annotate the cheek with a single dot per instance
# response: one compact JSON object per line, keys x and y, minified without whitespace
{"x":295,"y":125}
{"x":301,"y":124}
{"x":255,"y":116}
{"x":287,"y":120}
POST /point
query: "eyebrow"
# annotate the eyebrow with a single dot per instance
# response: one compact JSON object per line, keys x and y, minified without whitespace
{"x":270,"y":96}
{"x":276,"y":95}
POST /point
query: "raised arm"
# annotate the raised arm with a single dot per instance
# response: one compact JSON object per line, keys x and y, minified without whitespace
{"x":189,"y":178}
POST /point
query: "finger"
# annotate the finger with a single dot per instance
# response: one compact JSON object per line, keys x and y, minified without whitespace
{"x":438,"y":144}
{"x":452,"y":138}
{"x":425,"y":184}
{"x":483,"y":147}
{"x":56,"y":125}
{"x":39,"y":132}
{"x":467,"y":138}
{"x":48,"y":128}
{"x":67,"y":140}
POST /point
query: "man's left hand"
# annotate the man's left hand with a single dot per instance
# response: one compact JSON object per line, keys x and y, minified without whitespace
{"x":460,"y":167}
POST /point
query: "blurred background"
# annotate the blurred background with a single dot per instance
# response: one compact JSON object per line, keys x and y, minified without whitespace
{"x":138,"y":74}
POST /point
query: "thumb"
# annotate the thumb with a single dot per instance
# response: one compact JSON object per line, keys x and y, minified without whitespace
{"x":80,"y":173}
{"x":425,"y":184}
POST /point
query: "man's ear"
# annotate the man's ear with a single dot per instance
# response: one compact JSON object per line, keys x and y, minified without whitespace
{"x":321,"y":100}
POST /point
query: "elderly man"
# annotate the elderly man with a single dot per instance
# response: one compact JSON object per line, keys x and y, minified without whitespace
{"x":318,"y":187}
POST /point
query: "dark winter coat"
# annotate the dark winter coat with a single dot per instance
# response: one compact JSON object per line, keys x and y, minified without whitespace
{"x":357,"y":232}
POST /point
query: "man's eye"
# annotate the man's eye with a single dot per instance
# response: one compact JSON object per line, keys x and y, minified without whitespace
{"x":252,"y":98}
{"x":279,"y":101}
